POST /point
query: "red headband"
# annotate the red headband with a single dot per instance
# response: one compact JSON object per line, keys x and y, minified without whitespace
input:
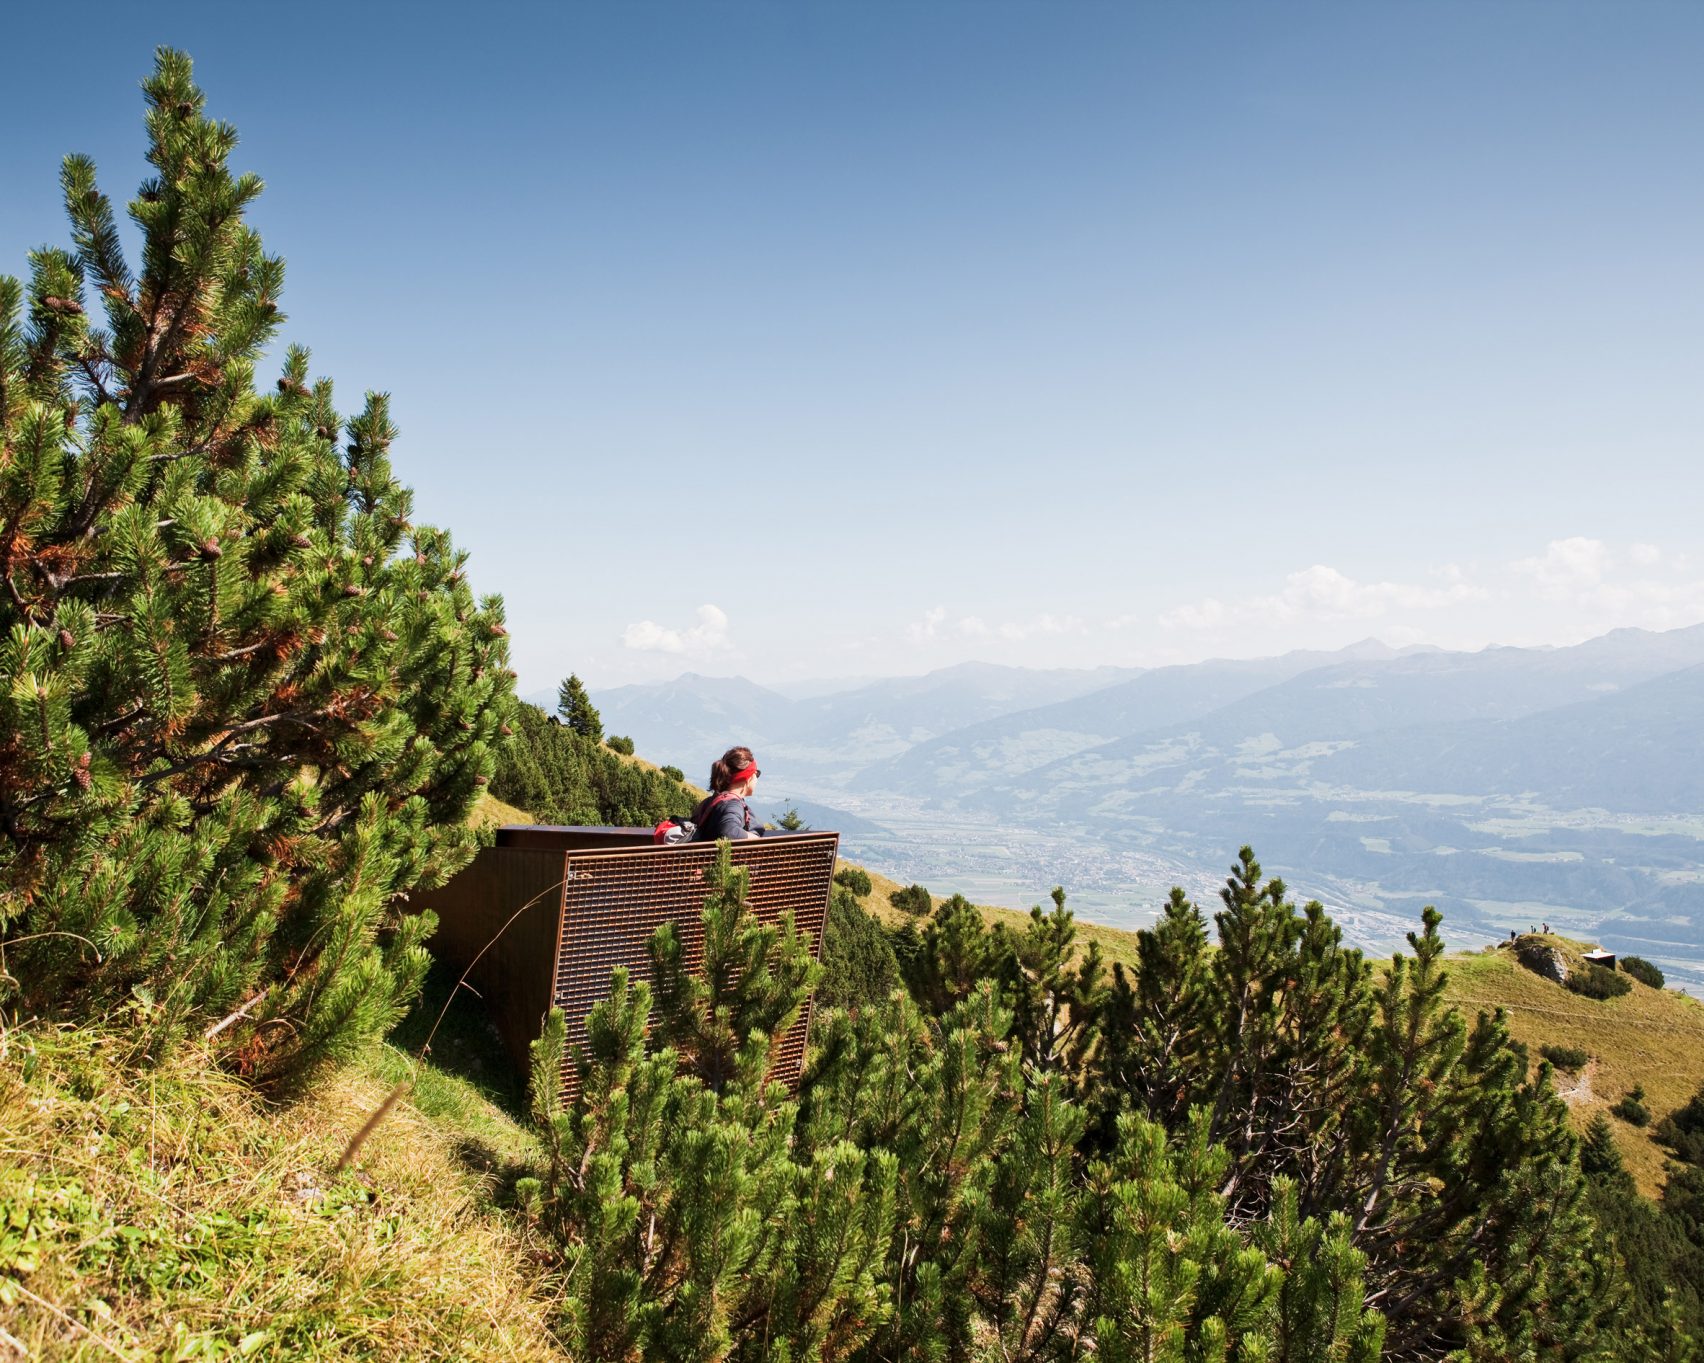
{"x":750,"y":769}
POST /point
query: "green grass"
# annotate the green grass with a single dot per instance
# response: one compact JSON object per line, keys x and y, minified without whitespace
{"x":489,"y":811}
{"x":172,"y":1214}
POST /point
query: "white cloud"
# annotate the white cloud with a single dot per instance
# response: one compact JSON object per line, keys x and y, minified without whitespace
{"x":1320,"y":592}
{"x":1647,"y":602}
{"x":1567,"y":565}
{"x":929,"y":627}
{"x":1591,"y":579}
{"x":709,"y":635}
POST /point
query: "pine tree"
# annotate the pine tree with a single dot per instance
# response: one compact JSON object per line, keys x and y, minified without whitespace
{"x":247,"y":700}
{"x":1170,"y":1279}
{"x":953,"y":954}
{"x":727,"y":1015}
{"x":1153,"y":1025}
{"x":578,"y":713}
{"x":1054,"y":997}
{"x":858,"y":965}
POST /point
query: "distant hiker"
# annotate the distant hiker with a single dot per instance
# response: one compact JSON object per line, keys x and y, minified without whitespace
{"x":724,"y":813}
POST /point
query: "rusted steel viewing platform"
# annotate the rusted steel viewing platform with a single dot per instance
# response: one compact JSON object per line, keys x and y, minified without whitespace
{"x":584,"y":900}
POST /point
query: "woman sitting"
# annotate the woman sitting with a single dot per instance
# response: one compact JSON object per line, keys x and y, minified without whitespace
{"x":724,"y":813}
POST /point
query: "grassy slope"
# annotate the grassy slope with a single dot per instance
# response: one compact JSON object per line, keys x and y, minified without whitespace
{"x":173,"y":1214}
{"x":1115,"y":944}
{"x":489,"y":811}
{"x":1651,"y":1037}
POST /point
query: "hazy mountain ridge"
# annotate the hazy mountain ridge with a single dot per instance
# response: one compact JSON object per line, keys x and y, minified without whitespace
{"x":1281,"y":732}
{"x":952,"y":766}
{"x":1506,"y":785}
{"x":691,"y":720}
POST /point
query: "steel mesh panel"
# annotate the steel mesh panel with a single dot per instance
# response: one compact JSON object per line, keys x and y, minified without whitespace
{"x":614,"y":900}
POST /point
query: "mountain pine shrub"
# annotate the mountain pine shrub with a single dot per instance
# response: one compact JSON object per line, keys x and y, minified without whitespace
{"x":856,"y":879}
{"x":858,"y":964}
{"x":1643,"y":971}
{"x":1598,"y":982}
{"x":248,"y":701}
{"x":1631,"y":1107}
{"x":1272,"y":1151}
{"x":1565,"y":1057}
{"x":562,"y":777}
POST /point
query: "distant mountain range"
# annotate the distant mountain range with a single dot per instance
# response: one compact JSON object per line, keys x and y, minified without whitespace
{"x":692,"y":720}
{"x":1508,"y":785}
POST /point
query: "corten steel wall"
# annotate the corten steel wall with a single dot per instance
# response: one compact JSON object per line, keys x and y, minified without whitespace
{"x":587,"y":900}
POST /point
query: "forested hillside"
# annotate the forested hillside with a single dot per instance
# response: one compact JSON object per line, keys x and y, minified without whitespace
{"x":562,"y":776}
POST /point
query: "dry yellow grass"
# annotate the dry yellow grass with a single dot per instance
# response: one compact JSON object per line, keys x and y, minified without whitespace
{"x":1115,"y":943}
{"x":489,"y":811}
{"x":170,"y":1214}
{"x":1651,"y":1037}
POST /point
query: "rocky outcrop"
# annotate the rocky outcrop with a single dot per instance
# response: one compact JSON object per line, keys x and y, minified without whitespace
{"x":1543,"y":960}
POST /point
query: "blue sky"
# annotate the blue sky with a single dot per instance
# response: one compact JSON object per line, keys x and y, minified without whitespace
{"x":833,"y":339}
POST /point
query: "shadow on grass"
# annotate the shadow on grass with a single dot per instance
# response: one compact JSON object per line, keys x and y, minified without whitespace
{"x":465,"y":1046}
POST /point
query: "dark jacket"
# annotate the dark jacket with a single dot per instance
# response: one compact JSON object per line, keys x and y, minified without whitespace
{"x":724,"y":816}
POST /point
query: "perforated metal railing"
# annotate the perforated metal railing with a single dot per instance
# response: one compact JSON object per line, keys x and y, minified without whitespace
{"x":614,"y":900}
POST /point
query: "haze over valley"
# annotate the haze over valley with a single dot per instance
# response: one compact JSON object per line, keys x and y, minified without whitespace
{"x":1510,"y":787}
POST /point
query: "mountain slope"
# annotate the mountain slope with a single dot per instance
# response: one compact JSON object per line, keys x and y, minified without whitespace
{"x":1635,"y":751}
{"x":692,"y":720}
{"x":952,"y":767}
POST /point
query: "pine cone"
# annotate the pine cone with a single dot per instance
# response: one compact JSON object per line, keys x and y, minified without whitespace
{"x":211,"y":549}
{"x":350,"y":589}
{"x":67,"y":639}
{"x":54,"y":303}
{"x":300,"y":540}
